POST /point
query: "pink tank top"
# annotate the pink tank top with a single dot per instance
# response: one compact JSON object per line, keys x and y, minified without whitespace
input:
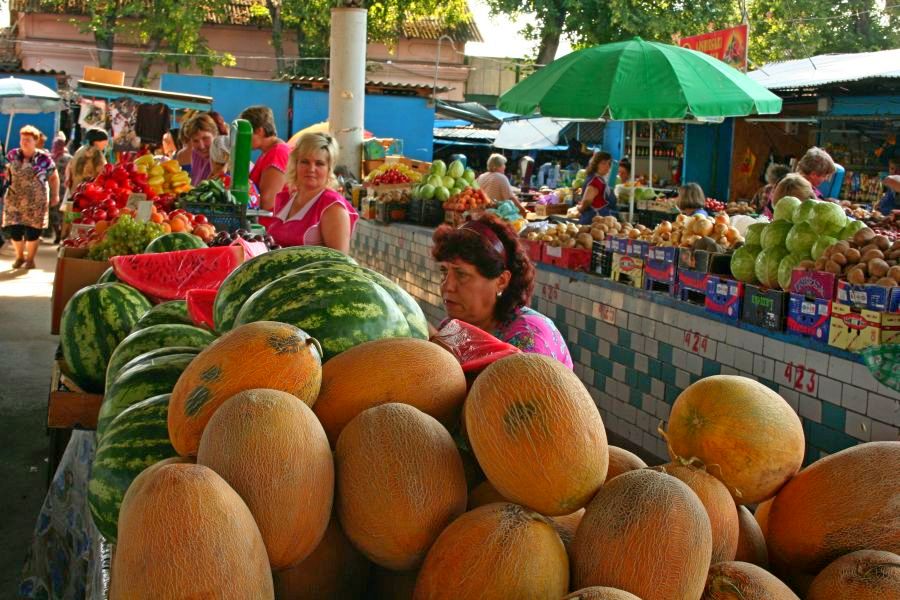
{"x":305,"y":230}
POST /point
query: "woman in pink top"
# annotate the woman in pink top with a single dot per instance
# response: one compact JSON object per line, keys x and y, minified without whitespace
{"x":312,"y":214}
{"x":269,"y":174}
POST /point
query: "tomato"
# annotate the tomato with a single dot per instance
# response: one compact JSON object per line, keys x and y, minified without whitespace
{"x":113,"y":212}
{"x":201,"y":220}
{"x":99,"y":214}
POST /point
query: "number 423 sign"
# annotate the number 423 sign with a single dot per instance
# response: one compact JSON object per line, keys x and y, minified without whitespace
{"x":801,"y":378}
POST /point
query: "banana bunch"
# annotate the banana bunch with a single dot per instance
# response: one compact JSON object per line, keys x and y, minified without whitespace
{"x":164,"y":178}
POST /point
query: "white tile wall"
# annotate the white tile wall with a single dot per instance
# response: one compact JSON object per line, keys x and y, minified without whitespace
{"x":854,"y":398}
{"x":858,"y":426}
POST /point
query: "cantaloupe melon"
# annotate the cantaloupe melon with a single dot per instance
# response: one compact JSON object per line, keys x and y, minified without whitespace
{"x":517,"y":413}
{"x":567,"y":525}
{"x":718,"y":503}
{"x":745,"y":434}
{"x":334,"y":571}
{"x":600,"y":593}
{"x":841,"y":503}
{"x":761,"y":514}
{"x":400,"y":482}
{"x":860,"y":575}
{"x":622,"y":461}
{"x":264,"y":354}
{"x":734,"y":580}
{"x":498,"y":550}
{"x":647,"y":533}
{"x":751,"y":546}
{"x":405,"y":370}
{"x":269,"y":447}
{"x":184,"y":533}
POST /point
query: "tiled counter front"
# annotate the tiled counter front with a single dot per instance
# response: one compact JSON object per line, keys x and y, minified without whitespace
{"x":636,"y":350}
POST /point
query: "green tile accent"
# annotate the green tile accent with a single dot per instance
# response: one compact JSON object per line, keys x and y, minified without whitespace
{"x":590,"y":323}
{"x":654,"y":368}
{"x":644,"y":383}
{"x":624,"y":337}
{"x":711,"y":367}
{"x":672,"y":393}
{"x":631,"y":378}
{"x":833,"y":416}
{"x":667,"y":373}
{"x":622,"y":355}
{"x":636,"y":398}
{"x":665,"y":353}
{"x":600,"y":381}
{"x":560,"y":314}
{"x":588,"y":340}
{"x":602,"y":365}
{"x":827,"y":439}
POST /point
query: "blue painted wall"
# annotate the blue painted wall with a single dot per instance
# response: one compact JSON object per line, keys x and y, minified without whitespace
{"x":865,"y":105}
{"x":614,"y":138}
{"x":707,"y":157}
{"x":46,"y":122}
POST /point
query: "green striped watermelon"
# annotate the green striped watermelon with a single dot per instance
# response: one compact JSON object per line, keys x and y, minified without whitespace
{"x":260,"y":271}
{"x":339,"y":308}
{"x":153,"y":337}
{"x":157,"y":353}
{"x":95,"y":320}
{"x":158,"y":376}
{"x":418,"y":325}
{"x":109,"y":276}
{"x":135,"y":440}
{"x":173,"y":311}
{"x":169,"y":242}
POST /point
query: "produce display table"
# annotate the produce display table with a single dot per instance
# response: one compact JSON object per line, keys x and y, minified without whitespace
{"x":636,"y":350}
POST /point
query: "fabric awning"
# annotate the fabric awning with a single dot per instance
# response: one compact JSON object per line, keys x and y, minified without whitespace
{"x":530,"y":134}
{"x":173,"y":100}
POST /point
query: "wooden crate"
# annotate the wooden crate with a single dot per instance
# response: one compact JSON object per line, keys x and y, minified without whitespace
{"x":70,"y":407}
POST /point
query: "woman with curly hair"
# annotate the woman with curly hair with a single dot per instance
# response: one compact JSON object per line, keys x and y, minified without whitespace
{"x":487,"y":281}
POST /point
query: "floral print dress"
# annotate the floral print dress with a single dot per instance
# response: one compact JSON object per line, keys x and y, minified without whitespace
{"x":530,"y":331}
{"x":27,"y":200}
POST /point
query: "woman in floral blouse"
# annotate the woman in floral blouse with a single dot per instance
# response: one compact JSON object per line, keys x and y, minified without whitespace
{"x":487,"y":281}
{"x":33,"y":187}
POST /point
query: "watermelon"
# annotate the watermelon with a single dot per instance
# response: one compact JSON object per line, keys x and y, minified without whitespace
{"x":169,"y":242}
{"x":200,"y":307}
{"x":95,"y":320}
{"x":152,"y":378}
{"x":418,"y":325}
{"x":173,"y":311}
{"x":135,"y":440}
{"x":169,"y":275}
{"x":151,"y":338}
{"x":339,"y":308}
{"x":157,"y":353}
{"x":108,"y":276}
{"x":260,"y":271}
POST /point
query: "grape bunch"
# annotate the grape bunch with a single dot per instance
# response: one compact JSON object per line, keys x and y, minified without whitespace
{"x":125,"y":236}
{"x":223,"y":238}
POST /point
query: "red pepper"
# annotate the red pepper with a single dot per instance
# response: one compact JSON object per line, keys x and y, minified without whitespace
{"x":94,"y":192}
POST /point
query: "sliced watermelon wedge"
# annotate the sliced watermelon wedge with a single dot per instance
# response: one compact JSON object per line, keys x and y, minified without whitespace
{"x":200,"y":307}
{"x":171,"y":275}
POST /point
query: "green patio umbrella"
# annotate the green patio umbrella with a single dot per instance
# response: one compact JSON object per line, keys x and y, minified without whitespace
{"x":639,"y":80}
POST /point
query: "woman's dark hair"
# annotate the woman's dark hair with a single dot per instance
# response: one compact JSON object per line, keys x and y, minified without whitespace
{"x":625,"y":163}
{"x":95,"y":135}
{"x":220,"y":122}
{"x":595,"y":161}
{"x":467,"y":245}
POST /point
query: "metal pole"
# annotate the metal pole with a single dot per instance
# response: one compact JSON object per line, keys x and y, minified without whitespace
{"x":650,"y":183}
{"x":633,"y":169}
{"x":12,"y":116}
{"x":347,"y":91}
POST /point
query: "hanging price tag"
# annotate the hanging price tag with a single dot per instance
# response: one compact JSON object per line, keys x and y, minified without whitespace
{"x":144,"y":210}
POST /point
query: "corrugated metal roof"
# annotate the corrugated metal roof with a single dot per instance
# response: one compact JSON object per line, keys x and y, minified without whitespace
{"x":827,"y":69}
{"x":465,"y":133}
{"x":392,"y":85}
{"x":432,"y":28}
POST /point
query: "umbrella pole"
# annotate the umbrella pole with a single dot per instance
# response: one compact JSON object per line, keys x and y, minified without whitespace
{"x":12,"y":116}
{"x":651,"y":155}
{"x":633,"y":167}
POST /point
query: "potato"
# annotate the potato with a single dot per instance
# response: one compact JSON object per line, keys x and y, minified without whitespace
{"x":856,"y":276}
{"x":887,"y":282}
{"x":820,"y":263}
{"x":807,"y":264}
{"x":839,"y":258}
{"x":882,"y":242}
{"x":894,"y":273}
{"x":878,"y":268}
{"x":853,"y":255}
{"x":863,"y":236}
{"x":843,"y":246}
{"x":870,"y":254}
{"x":833,"y":267}
{"x":894,"y":253}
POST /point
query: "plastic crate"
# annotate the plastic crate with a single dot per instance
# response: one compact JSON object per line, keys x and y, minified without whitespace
{"x":225,"y":217}
{"x":415,"y":211}
{"x":432,"y":213}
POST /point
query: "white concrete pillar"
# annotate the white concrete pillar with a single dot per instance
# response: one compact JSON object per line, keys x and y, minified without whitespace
{"x":346,"y":92}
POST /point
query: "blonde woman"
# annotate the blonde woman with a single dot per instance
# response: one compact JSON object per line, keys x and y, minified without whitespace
{"x":312,"y":213}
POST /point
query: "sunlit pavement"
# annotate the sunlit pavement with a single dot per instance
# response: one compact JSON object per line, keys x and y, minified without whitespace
{"x":26,"y":356}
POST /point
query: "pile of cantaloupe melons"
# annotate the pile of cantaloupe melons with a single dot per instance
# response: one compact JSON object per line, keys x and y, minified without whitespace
{"x":391,"y":480}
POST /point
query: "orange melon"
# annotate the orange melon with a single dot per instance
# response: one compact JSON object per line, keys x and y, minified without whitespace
{"x":746,"y":435}
{"x":751,"y":546}
{"x":269,"y":447}
{"x":647,"y":533}
{"x":743,"y":581}
{"x":600,"y":593}
{"x":860,"y":575}
{"x":761,"y":514}
{"x":334,"y":571}
{"x":567,"y":525}
{"x":718,"y":503}
{"x":184,"y":533}
{"x":484,"y":493}
{"x":622,"y":461}
{"x":264,"y":354}
{"x":409,"y":371}
{"x":400,"y":481}
{"x":499,"y":550}
{"x":517,"y":412}
{"x":844,"y":502}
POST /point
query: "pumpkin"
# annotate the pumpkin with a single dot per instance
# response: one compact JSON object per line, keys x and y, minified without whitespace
{"x":746,"y":434}
{"x":600,"y":593}
{"x":761,"y":514}
{"x":860,"y":575}
{"x":751,"y":545}
{"x":743,"y":581}
{"x":844,"y":502}
{"x":270,"y":448}
{"x":484,"y":493}
{"x":400,"y":481}
{"x":409,"y":371}
{"x":335,"y":570}
{"x":647,"y":533}
{"x":517,"y":412}
{"x":622,"y":461}
{"x":184,"y":533}
{"x":264,"y":354}
{"x":500,"y":550}
{"x":719,"y":506}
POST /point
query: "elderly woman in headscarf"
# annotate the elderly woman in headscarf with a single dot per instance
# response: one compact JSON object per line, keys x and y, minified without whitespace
{"x":60,"y":155}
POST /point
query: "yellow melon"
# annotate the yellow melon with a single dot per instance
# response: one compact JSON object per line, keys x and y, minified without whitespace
{"x":751,"y":546}
{"x":622,"y":461}
{"x":600,"y":593}
{"x":860,"y":575}
{"x":742,"y":581}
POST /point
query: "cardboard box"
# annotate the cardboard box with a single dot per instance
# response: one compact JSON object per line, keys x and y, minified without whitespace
{"x":764,"y":307}
{"x":601,"y":260}
{"x":619,"y":245}
{"x":535,"y":249}
{"x":854,"y":328}
{"x":723,"y":296}
{"x":545,"y":210}
{"x":638,"y":248}
{"x":705,"y":261}
{"x":628,"y":270}
{"x":813,"y":284}
{"x":692,"y":280}
{"x":576,"y":259}
{"x":660,"y":264}
{"x":73,"y":272}
{"x":663,"y":254}
{"x":869,"y":296}
{"x":99,"y":75}
{"x":809,"y":317}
